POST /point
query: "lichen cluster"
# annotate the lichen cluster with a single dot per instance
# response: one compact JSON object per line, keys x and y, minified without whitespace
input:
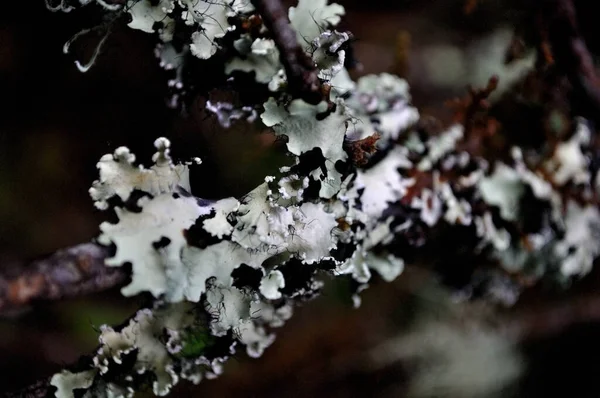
{"x":225,"y":273}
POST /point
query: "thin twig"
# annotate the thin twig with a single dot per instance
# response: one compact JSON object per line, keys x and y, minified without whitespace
{"x":302,"y":75}
{"x":572,"y":56}
{"x":74,"y":271}
{"x":552,"y":319}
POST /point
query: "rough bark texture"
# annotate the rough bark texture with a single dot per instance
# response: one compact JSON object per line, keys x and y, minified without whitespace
{"x":70,"y":272}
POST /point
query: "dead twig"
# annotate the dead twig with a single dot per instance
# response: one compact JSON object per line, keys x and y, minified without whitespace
{"x":302,"y":75}
{"x":70,"y":272}
{"x":572,"y":56}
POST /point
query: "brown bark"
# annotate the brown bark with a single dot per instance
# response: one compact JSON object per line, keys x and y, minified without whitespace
{"x":572,"y":56}
{"x":302,"y":75}
{"x":69,"y":272}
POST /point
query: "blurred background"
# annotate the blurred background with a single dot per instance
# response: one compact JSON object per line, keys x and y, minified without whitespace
{"x":410,"y":338}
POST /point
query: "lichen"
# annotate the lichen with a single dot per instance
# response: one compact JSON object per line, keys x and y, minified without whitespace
{"x":328,"y":53}
{"x":66,"y":382}
{"x":259,"y":56}
{"x":380,"y":103}
{"x":311,"y":17}
{"x":305,"y":132}
{"x":120,"y":177}
{"x":145,"y":13}
{"x":224,"y":273}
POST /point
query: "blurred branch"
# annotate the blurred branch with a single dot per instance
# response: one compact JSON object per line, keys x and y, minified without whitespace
{"x":572,"y":55}
{"x":40,"y":389}
{"x":552,"y":319}
{"x":302,"y":75}
{"x":69,"y":272}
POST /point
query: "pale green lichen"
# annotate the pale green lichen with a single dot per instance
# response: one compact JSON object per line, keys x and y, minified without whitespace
{"x":322,"y":212}
{"x":306,"y":132}
{"x":311,"y":17}
{"x":504,"y":189}
{"x":66,"y":382}
{"x":259,"y":56}
{"x":146,"y":13}
{"x":120,"y":177}
{"x":311,"y":21}
{"x":379,"y":103}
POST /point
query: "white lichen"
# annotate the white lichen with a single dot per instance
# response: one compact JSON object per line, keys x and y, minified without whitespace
{"x":259,"y":56}
{"x":440,"y":145}
{"x":66,"y":382}
{"x":504,"y":189}
{"x":218,"y":225}
{"x":211,"y":16}
{"x":579,"y":247}
{"x":382,"y":184}
{"x":270,"y":285}
{"x":381,"y":103}
{"x":120,"y":177}
{"x":311,"y":17}
{"x":153,"y":241}
{"x":328,"y":54}
{"x":305,"y":132}
{"x":569,"y":163}
{"x":145,"y":14}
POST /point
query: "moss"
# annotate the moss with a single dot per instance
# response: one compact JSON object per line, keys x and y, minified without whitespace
{"x":196,"y":342}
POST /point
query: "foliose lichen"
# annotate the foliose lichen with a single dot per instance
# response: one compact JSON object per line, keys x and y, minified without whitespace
{"x":224,"y":273}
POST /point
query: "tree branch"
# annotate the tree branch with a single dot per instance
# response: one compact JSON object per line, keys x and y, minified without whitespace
{"x":70,"y":272}
{"x":572,"y":56}
{"x":40,"y":389}
{"x":551,"y":319}
{"x":302,"y":75}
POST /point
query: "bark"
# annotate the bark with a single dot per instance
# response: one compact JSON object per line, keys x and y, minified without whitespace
{"x":302,"y":75}
{"x":70,"y":272}
{"x":572,"y":56}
